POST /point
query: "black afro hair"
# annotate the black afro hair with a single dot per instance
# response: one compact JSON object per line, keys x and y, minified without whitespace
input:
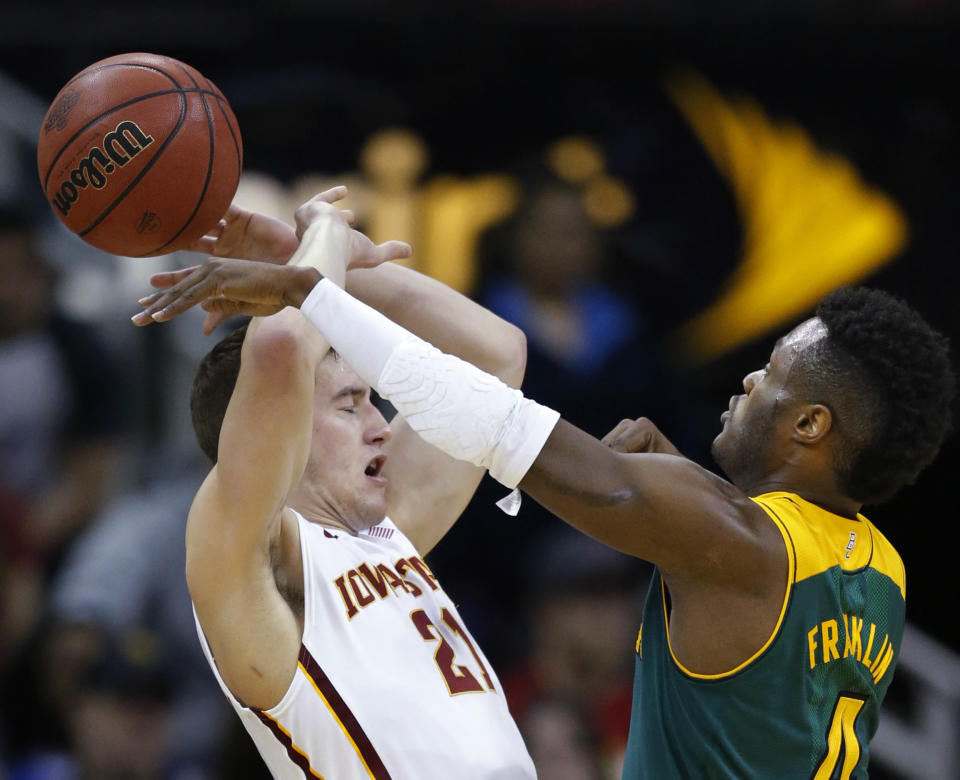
{"x":896,"y":371}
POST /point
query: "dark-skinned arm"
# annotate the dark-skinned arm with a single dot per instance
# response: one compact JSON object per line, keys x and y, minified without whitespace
{"x":659,"y":507}
{"x":665,"y":509}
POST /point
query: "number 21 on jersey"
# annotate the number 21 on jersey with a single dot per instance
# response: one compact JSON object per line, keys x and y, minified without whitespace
{"x":458,"y":678}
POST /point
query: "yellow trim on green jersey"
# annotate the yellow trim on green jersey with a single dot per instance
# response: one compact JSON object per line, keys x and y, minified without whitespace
{"x":887,"y":560}
{"x":816,"y":541}
{"x":823,"y":540}
{"x":791,"y":578}
{"x":813,"y":691}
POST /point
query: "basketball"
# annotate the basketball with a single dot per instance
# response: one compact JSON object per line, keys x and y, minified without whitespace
{"x":139,"y":155}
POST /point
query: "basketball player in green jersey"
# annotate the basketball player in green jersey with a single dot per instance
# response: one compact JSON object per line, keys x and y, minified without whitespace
{"x":776,"y":612}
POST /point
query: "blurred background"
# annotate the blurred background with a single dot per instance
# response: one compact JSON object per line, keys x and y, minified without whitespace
{"x":652,"y":190}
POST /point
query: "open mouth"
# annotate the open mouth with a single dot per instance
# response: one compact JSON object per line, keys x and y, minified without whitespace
{"x":375,"y":466}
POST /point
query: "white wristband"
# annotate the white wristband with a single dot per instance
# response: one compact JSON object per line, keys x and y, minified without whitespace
{"x":452,"y":404}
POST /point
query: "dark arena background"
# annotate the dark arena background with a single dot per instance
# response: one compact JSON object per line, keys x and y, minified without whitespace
{"x":728,"y":168}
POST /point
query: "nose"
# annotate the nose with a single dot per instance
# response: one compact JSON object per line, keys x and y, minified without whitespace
{"x":751,"y":379}
{"x":378,"y":430}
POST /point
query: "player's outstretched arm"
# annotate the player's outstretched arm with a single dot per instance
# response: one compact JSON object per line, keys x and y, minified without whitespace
{"x":236,"y":518}
{"x":263,"y":441}
{"x":657,"y":506}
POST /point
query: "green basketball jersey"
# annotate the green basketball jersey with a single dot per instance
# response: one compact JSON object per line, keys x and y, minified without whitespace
{"x":806,"y":704}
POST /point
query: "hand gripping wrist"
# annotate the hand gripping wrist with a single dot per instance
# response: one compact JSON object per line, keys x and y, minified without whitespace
{"x":452,"y":404}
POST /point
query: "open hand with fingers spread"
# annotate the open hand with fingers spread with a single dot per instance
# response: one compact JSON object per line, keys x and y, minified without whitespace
{"x":231,"y":286}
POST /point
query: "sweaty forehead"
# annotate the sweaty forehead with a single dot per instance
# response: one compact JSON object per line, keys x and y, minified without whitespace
{"x":334,"y":373}
{"x":804,"y":335}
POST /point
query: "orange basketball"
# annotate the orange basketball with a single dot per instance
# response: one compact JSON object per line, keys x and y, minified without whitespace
{"x":140,"y":155}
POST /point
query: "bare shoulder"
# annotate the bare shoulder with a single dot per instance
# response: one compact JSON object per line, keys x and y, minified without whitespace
{"x":737,"y":542}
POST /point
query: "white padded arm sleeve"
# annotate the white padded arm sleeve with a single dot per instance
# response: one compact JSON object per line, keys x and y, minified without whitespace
{"x":452,"y":404}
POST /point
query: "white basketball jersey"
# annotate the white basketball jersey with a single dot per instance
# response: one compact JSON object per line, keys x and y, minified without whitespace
{"x":390,"y":684}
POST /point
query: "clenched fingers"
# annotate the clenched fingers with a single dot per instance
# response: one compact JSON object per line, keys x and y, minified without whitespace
{"x":615,"y":434}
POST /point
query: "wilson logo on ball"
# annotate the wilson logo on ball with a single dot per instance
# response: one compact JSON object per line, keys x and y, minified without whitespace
{"x":101,"y":183}
{"x":118,"y":148}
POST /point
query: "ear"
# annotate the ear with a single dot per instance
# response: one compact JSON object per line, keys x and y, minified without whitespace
{"x":812,"y":424}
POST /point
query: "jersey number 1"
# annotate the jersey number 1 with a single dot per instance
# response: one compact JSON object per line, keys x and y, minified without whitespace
{"x":459,"y":679}
{"x":840,"y":733}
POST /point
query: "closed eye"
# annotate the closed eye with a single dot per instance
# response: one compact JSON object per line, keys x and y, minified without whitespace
{"x":352,"y":395}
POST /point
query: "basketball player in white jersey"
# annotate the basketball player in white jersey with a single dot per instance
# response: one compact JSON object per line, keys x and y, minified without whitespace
{"x":328,"y":633}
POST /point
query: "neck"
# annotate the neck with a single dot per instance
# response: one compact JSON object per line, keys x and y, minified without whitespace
{"x":321,"y":507}
{"x":825,"y":496}
{"x":317,"y":510}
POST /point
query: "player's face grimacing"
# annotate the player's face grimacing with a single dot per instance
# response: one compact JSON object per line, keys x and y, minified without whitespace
{"x":346,"y":465}
{"x":749,"y":446}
